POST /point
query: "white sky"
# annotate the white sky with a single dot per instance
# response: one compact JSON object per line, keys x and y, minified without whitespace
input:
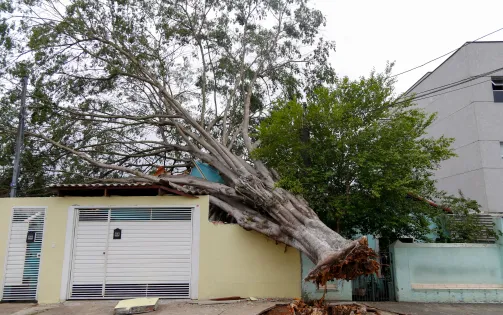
{"x":370,"y":32}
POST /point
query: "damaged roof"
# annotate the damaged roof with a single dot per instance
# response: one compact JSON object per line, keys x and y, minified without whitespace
{"x":121,"y":189}
{"x":100,"y":185}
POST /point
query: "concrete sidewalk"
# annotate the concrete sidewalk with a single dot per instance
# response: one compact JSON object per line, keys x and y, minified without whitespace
{"x":238,"y":308}
{"x":166,"y":307}
{"x":11,"y":308}
{"x":438,"y":308}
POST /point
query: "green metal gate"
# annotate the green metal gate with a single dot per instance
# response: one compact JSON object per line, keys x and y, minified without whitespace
{"x":376,"y":287}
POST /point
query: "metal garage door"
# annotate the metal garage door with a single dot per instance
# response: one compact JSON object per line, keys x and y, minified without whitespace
{"x":23,"y":254}
{"x":132,"y":252}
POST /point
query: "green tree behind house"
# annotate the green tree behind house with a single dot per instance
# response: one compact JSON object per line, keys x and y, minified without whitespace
{"x":355,"y":151}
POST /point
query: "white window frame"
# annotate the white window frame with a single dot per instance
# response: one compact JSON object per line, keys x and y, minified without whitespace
{"x":497,"y":84}
{"x":497,"y":93}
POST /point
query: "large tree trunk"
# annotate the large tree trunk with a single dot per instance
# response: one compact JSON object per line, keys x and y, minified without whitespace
{"x":135,"y":82}
{"x":251,"y":197}
{"x":287,"y":218}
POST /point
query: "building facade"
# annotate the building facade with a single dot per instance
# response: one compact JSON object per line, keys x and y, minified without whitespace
{"x":59,"y":248}
{"x":466,"y":92}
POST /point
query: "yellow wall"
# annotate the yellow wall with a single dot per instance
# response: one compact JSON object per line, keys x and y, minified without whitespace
{"x":5,"y":218}
{"x":232,"y":261}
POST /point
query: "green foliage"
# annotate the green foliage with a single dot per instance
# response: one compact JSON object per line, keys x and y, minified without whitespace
{"x":96,"y":66}
{"x":91,"y":61}
{"x":41,"y":164}
{"x":355,"y":152}
{"x":462,"y":225}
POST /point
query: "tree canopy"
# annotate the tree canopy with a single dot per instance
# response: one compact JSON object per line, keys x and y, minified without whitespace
{"x":359,"y":154}
{"x":125,"y":86}
{"x":122,"y":86}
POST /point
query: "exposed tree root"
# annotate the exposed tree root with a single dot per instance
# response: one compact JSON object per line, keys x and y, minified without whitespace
{"x":298,"y":307}
{"x":354,"y":260}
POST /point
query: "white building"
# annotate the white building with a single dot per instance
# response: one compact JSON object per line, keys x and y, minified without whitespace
{"x":466,"y":91}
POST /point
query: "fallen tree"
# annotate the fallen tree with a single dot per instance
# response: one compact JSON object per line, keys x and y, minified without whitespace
{"x":146,"y":82}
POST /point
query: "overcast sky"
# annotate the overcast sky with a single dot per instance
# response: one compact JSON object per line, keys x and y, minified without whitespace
{"x":370,"y":32}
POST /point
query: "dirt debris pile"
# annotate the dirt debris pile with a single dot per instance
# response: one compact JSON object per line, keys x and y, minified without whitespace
{"x":298,"y":307}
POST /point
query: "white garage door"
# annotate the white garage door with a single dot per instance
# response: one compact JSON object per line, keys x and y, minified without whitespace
{"x":132,"y":252}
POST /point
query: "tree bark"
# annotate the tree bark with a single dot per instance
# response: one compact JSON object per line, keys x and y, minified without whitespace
{"x":252,"y":199}
{"x":249,"y":194}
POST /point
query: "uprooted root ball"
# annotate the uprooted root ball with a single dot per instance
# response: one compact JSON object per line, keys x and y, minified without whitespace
{"x":359,"y":261}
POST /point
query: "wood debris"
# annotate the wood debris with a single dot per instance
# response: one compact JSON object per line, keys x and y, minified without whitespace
{"x":298,"y":307}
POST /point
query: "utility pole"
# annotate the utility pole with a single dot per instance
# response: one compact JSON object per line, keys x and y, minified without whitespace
{"x":19,"y":140}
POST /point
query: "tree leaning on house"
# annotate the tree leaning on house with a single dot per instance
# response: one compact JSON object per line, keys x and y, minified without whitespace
{"x":146,"y":82}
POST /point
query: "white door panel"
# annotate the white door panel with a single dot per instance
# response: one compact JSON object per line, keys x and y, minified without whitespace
{"x":22,"y":262}
{"x":151,"y":258}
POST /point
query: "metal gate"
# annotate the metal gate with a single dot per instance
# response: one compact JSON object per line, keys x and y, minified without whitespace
{"x":376,"y":287}
{"x":132,"y":252}
{"x":23,"y":254}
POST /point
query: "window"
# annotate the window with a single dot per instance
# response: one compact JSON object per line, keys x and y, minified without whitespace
{"x":217,"y":215}
{"x":497,"y":84}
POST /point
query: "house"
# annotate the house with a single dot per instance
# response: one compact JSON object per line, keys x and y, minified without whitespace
{"x":114,"y":241}
{"x":466,"y":91}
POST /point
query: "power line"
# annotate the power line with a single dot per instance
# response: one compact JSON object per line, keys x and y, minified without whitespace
{"x":465,"y":44}
{"x":428,"y":93}
{"x":456,"y":83}
{"x":422,"y":98}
